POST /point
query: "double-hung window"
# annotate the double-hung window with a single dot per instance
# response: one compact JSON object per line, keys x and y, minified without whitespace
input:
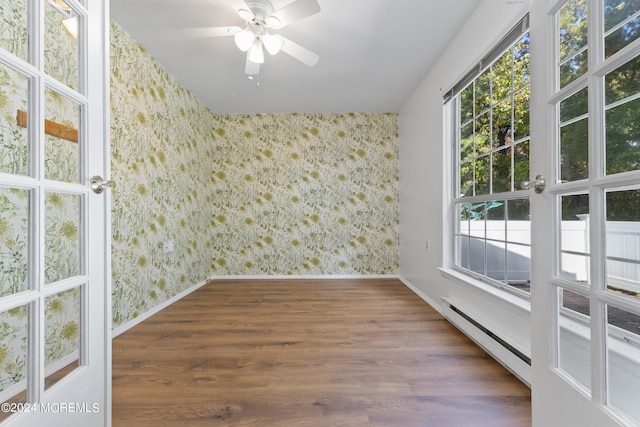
{"x":489,"y":108}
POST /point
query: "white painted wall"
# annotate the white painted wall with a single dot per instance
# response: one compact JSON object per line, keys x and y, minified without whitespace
{"x":424,"y":177}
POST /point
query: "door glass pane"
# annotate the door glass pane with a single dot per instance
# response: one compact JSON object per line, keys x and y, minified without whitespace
{"x":14,"y":330}
{"x":574,"y":134}
{"x":14,"y":99}
{"x":574,"y":335}
{"x":622,"y":124}
{"x":14,"y":240}
{"x":623,"y":359}
{"x":62,"y":152}
{"x":621,"y":24}
{"x":62,"y":236}
{"x":60,"y":21}
{"x":623,"y":243}
{"x":574,"y":238}
{"x":573,"y":40}
{"x":13,"y":27}
{"x":62,"y":335}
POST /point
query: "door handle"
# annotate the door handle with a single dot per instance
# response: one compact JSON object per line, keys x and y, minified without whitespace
{"x":538,"y":184}
{"x":98,"y":185}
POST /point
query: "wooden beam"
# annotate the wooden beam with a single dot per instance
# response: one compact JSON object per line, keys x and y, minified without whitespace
{"x":50,"y":128}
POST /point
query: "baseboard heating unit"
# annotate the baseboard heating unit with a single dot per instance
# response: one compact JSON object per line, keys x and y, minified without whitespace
{"x":514,"y":359}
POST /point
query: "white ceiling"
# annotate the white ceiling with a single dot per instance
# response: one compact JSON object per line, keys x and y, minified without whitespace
{"x":373,"y":53}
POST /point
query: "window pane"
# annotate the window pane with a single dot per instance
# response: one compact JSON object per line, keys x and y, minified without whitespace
{"x":466,"y":142}
{"x":62,"y":236}
{"x":574,"y":238}
{"x":496,"y":261}
{"x":519,"y":266}
{"x":623,"y":138}
{"x":502,"y":123}
{"x":502,"y":76}
{"x":14,"y":341}
{"x":483,"y":130}
{"x":61,"y":150}
{"x":496,"y":226}
{"x":477,"y":249}
{"x":574,"y":334}
{"x":466,"y":179}
{"x":521,"y":169}
{"x":521,"y":62}
{"x":573,"y":68}
{"x":619,"y":23}
{"x":521,"y":114}
{"x":622,"y":82}
{"x":623,"y":243}
{"x":482,"y":175}
{"x":59,"y":39}
{"x":14,"y":240}
{"x":573,"y":40}
{"x":13,"y":27}
{"x":14,"y":107}
{"x":574,"y":154}
{"x":623,"y":364}
{"x":574,"y":158}
{"x":62,"y":334}
{"x":501,"y":165}
{"x":482,"y":91}
{"x":518,"y":221}
{"x":574,"y":106}
{"x":466,"y":104}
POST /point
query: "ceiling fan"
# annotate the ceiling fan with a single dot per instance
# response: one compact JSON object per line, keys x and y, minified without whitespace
{"x":260,"y":17}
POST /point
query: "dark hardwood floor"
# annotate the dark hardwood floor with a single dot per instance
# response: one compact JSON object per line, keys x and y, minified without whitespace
{"x":308,"y":353}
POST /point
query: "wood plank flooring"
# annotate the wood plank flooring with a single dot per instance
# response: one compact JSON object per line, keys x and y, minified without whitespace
{"x":308,"y":353}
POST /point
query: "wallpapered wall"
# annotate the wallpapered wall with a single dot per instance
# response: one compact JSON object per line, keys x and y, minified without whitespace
{"x":272,"y":194}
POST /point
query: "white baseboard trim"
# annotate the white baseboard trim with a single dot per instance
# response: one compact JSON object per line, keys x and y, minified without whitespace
{"x":147,"y":314}
{"x":425,"y":297}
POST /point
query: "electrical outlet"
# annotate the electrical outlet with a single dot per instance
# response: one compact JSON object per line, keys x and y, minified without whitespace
{"x":168,"y":246}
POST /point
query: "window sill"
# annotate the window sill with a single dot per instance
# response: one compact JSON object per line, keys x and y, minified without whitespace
{"x":520,"y":304}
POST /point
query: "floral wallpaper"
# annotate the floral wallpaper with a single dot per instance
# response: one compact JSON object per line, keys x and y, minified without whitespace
{"x":62,"y":219}
{"x":239,"y":195}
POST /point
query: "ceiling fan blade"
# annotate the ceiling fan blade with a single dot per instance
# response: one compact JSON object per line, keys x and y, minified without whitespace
{"x":300,"y":53}
{"x":203,"y":32}
{"x":251,"y":68}
{"x":293,"y":12}
{"x":242,"y":9}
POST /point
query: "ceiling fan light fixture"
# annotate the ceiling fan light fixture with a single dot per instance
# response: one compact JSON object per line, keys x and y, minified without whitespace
{"x":244,"y":40}
{"x":255,"y":53}
{"x":245,"y":14}
{"x":273,"y":22}
{"x":272,"y":43}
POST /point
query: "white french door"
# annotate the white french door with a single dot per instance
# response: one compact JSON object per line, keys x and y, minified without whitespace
{"x":585,"y":115}
{"x":54,"y":235}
